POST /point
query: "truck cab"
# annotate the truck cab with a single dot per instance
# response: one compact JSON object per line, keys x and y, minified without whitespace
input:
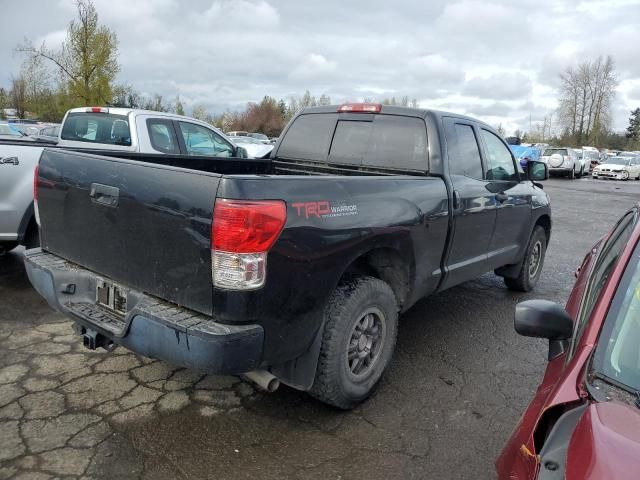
{"x":133,"y":130}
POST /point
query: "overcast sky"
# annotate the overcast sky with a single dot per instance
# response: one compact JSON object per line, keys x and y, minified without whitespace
{"x":498,"y":60}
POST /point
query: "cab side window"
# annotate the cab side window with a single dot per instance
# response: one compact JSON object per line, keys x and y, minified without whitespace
{"x":162,"y":136}
{"x":199,"y":140}
{"x":464,"y":153}
{"x":500,"y":164}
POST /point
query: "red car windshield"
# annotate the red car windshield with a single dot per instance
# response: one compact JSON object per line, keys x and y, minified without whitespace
{"x":618,"y":352}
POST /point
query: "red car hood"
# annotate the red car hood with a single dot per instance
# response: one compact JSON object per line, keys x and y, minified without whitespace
{"x":605,"y":444}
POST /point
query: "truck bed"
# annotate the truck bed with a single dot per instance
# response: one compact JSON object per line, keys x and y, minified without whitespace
{"x":107,"y":215}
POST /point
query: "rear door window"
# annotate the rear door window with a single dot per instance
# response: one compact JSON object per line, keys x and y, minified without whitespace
{"x":464,"y":153}
{"x":162,"y":136}
{"x":103,"y":128}
{"x":386,"y":141}
{"x":309,"y":137}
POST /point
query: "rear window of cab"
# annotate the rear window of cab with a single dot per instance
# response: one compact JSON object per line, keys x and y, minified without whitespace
{"x":387,"y":141}
{"x":103,"y":128}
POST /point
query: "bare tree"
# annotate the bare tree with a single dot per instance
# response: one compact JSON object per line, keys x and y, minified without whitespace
{"x":19,"y":95}
{"x":586,"y":93}
{"x":4,"y":102}
{"x":199,"y":112}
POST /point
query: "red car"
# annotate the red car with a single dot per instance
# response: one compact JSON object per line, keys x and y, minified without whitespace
{"x":584,"y":421}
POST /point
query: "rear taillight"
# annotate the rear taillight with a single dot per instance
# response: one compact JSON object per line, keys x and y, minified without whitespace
{"x":35,"y":184}
{"x":96,"y":110}
{"x":36,"y":212}
{"x":241,"y":235}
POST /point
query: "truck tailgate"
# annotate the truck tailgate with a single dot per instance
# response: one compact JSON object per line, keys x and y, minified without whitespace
{"x":141,"y":225}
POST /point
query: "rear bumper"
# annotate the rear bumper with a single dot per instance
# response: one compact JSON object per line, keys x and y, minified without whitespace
{"x":560,"y":169}
{"x":614,"y":175}
{"x":150,"y":327}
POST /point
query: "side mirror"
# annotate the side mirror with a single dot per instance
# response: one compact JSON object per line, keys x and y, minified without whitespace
{"x":545,"y":319}
{"x":537,"y":171}
{"x":241,"y":153}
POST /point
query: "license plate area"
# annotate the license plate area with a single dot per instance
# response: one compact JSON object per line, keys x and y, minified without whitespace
{"x":111,"y":296}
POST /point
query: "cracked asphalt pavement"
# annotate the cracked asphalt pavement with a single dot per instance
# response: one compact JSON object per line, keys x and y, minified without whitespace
{"x":459,"y":380}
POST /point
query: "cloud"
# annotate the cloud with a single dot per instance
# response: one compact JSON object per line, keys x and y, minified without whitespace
{"x":506,"y":86}
{"x":496,"y":59}
{"x":634,"y":93}
{"x":52,"y":40}
{"x":435,"y":69}
{"x":312,"y":66}
{"x":495,"y":109}
{"x":233,"y":14}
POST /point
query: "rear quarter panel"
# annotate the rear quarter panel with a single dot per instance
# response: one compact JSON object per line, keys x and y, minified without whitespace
{"x":332,"y":221}
{"x":16,"y":186}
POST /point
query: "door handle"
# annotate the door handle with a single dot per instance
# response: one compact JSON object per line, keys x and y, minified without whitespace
{"x":502,"y":197}
{"x":457,"y":203}
{"x":104,"y":194}
{"x":13,"y":160}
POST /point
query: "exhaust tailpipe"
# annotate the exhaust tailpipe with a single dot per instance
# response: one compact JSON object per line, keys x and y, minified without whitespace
{"x":265,"y":380}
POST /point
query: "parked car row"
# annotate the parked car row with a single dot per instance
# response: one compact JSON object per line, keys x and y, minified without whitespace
{"x":621,"y":167}
{"x":578,"y":162}
{"x":41,"y":131}
{"x":261,"y":137}
{"x":566,"y":161}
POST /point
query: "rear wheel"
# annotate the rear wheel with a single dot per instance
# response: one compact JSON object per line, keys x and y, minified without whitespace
{"x":360,"y":329}
{"x":572,"y":173}
{"x":532,"y":263}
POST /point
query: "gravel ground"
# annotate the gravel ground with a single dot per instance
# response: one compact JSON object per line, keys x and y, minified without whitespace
{"x":459,"y":380}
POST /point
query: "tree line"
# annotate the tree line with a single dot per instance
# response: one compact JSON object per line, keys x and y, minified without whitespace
{"x":83,"y":71}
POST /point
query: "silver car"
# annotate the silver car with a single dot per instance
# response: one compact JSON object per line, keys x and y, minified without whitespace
{"x":563,"y":160}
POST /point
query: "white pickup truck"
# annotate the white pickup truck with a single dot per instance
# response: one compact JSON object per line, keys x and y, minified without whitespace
{"x":105,"y":129}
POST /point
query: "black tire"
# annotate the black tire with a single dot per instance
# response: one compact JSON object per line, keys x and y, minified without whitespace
{"x":572,"y":174}
{"x":528,"y":278}
{"x":357,"y":301}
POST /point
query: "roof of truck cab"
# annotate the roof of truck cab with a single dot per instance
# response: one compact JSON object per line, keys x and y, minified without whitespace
{"x":135,"y":111}
{"x":398,"y":110}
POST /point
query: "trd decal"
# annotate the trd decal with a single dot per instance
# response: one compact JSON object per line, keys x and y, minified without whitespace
{"x":324,"y":209}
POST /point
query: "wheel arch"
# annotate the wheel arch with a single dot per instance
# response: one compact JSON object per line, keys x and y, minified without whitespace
{"x":544,"y":221}
{"x":28,"y":221}
{"x":387,"y":264}
{"x":383,"y":261}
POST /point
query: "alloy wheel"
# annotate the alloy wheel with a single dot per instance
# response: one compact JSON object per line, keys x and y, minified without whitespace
{"x":366,"y":342}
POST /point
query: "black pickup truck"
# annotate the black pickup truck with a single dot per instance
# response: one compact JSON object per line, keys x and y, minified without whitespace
{"x":292,"y":268}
